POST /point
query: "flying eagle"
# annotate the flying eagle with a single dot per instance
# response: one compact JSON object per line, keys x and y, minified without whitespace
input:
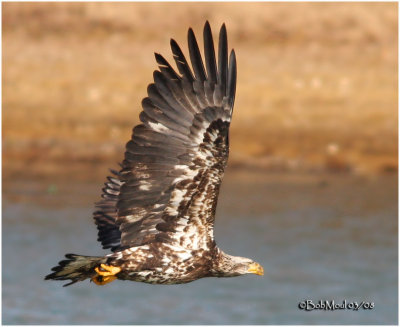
{"x":157,"y":213}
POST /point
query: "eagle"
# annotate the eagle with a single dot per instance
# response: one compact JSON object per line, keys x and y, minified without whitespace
{"x":157,"y":212}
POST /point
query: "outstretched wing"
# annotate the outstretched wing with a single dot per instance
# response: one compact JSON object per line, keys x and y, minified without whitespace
{"x":174,"y":163}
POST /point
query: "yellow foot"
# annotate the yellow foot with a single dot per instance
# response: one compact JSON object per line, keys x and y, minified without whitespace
{"x":106,"y":274}
{"x":106,"y":270}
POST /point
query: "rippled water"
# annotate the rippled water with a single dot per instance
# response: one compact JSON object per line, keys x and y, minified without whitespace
{"x":318,"y":238}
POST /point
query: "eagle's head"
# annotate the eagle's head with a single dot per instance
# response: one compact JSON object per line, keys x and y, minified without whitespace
{"x":231,"y":266}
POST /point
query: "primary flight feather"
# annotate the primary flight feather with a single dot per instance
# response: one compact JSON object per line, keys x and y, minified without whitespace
{"x":157,"y":213}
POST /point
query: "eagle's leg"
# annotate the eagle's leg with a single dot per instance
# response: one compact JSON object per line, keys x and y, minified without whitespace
{"x":106,"y":274}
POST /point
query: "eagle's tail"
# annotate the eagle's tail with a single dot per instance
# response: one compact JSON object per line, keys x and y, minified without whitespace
{"x":76,"y":268}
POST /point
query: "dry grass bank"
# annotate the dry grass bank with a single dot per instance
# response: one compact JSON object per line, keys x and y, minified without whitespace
{"x":317,"y":82}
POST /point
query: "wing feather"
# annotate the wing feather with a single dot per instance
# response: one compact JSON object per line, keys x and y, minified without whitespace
{"x":232,"y":79}
{"x":195,"y":58}
{"x":181,"y":62}
{"x":105,"y":216}
{"x":222,"y":60}
{"x":209,"y":54}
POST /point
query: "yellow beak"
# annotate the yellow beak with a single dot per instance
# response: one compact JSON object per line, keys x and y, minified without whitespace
{"x":256,"y":268}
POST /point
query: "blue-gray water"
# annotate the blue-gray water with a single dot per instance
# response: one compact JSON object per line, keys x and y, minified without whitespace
{"x":318,"y":238}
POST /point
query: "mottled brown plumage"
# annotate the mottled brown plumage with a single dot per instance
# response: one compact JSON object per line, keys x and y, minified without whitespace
{"x":157,"y":213}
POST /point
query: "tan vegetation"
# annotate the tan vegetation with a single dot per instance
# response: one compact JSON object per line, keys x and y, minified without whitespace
{"x":317,"y":82}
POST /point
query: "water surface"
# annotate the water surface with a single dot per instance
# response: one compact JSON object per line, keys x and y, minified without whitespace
{"x":318,"y":238}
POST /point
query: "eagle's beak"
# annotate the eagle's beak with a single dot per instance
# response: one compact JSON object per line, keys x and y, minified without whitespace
{"x":256,"y":268}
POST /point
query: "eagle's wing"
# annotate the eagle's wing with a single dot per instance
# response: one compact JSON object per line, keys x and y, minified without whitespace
{"x":173,"y":167}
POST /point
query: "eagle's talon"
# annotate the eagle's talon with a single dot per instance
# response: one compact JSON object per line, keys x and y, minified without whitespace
{"x":100,"y":280}
{"x":105,"y":274}
{"x":105,"y":270}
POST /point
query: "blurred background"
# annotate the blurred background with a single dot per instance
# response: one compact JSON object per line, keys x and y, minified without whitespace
{"x":311,"y":186}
